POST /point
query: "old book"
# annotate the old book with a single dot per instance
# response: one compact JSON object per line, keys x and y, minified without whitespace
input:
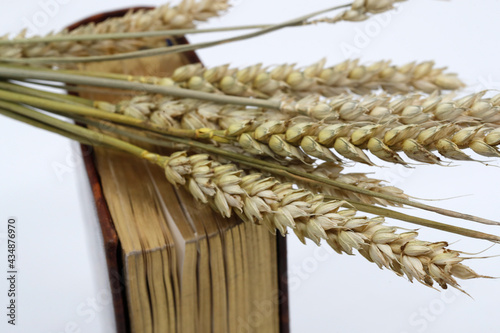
{"x":175,"y":265}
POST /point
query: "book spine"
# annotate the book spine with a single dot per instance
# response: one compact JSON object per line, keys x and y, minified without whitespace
{"x":284,"y":311}
{"x":111,"y":244}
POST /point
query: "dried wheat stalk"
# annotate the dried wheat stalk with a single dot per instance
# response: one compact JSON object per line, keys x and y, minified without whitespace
{"x":407,"y":109}
{"x":161,"y":18}
{"x":410,"y":109}
{"x":273,"y":134}
{"x":264,"y":200}
{"x":350,"y":75}
{"x":302,"y":139}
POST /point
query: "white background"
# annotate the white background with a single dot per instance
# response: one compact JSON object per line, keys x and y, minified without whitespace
{"x":63,"y":280}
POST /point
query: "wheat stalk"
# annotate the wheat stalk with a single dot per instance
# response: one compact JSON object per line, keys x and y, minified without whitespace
{"x":161,"y":18}
{"x":279,"y":206}
{"x":379,"y":109}
{"x":164,"y":110}
{"x":142,"y":24}
{"x":415,"y":108}
{"x":68,"y":59}
{"x":384,"y":141}
{"x":350,"y":75}
{"x":309,"y":105}
{"x":282,"y":136}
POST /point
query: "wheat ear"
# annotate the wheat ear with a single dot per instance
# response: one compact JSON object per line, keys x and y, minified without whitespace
{"x":362,"y":9}
{"x":384,"y":141}
{"x":299,"y":138}
{"x":407,"y":109}
{"x":350,"y":75}
{"x":286,"y":137}
{"x":260,"y":199}
{"x":163,"y":17}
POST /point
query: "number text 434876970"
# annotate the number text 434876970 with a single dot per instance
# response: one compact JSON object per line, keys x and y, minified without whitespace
{"x":11,"y":271}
